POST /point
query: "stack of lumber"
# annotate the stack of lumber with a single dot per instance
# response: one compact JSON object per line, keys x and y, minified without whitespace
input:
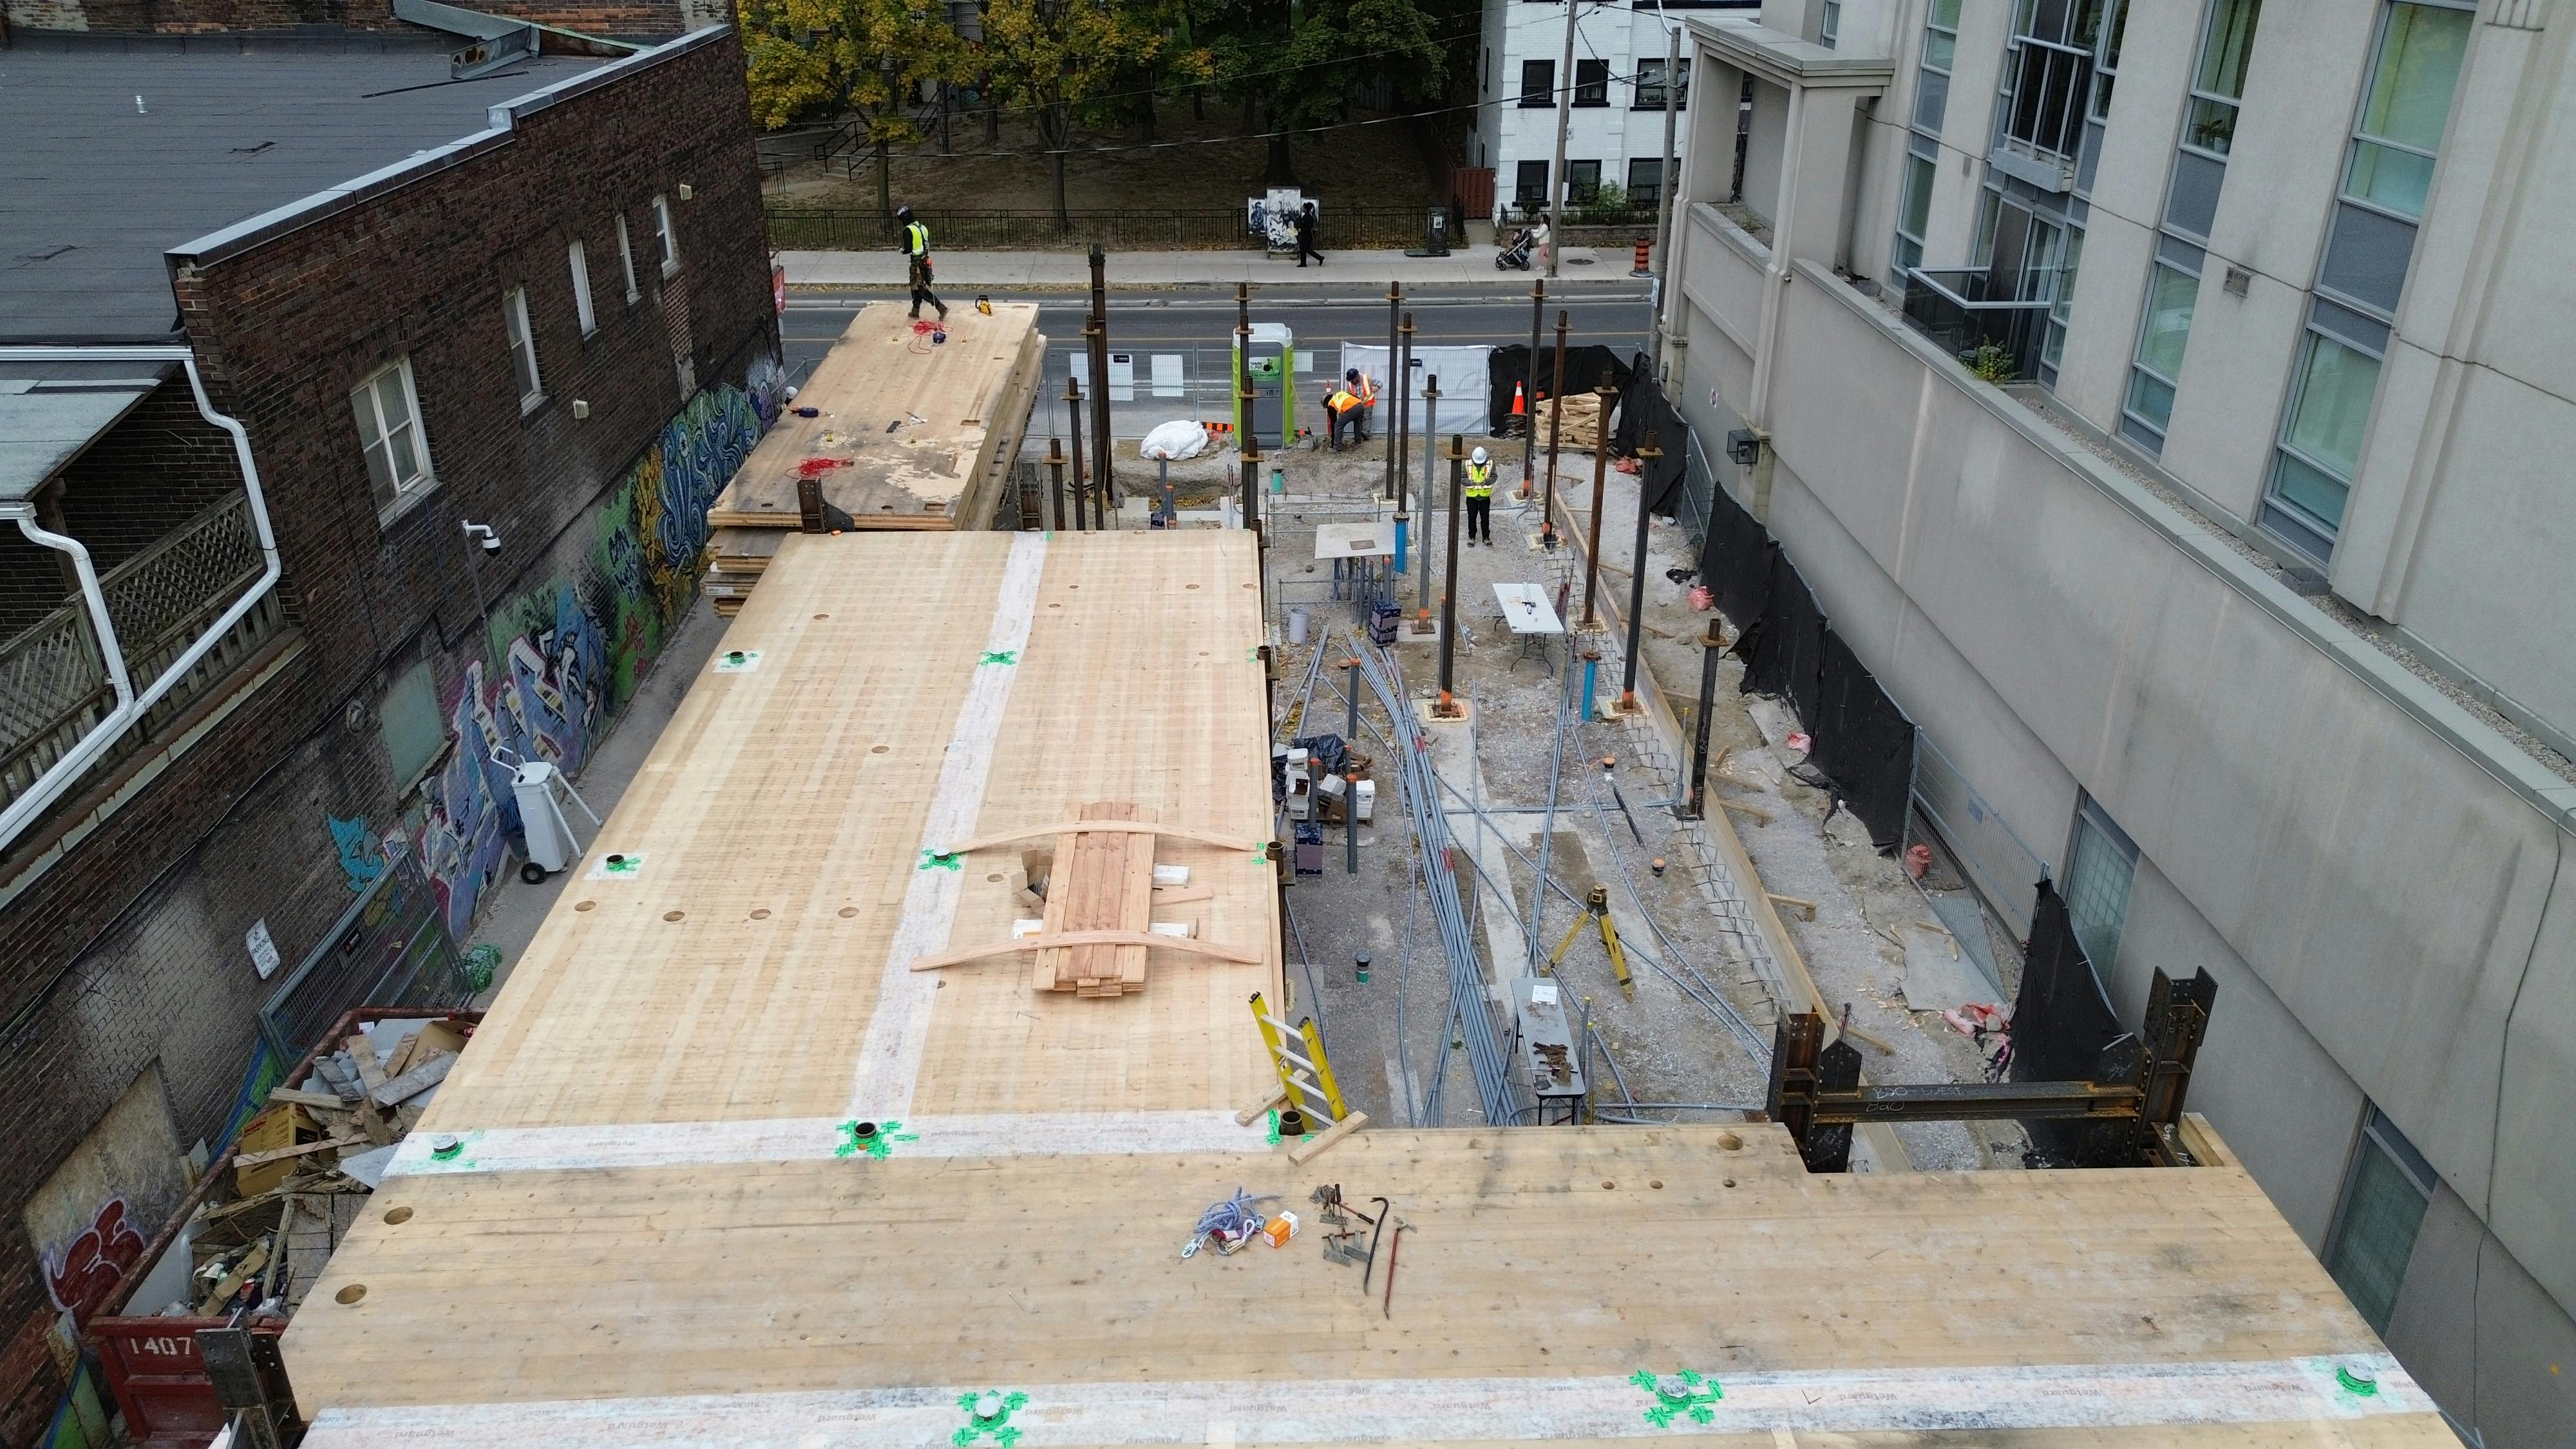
{"x":906,"y":432}
{"x":735,"y":558}
{"x":1582,"y":422}
{"x":1104,"y":881}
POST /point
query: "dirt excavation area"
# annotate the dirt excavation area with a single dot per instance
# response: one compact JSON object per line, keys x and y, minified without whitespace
{"x":1692,"y":1026}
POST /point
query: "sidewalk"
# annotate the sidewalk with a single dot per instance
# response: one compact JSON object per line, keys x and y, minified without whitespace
{"x":1072,"y":268}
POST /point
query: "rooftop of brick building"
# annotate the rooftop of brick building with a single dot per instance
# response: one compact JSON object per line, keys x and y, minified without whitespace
{"x":122,"y":149}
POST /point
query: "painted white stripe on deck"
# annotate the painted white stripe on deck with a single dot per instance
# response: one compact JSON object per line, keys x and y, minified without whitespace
{"x":1309,"y":1411}
{"x":891,"y":1059}
{"x":811,"y":1139}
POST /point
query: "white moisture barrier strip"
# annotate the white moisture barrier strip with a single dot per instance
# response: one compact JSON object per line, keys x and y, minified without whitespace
{"x":891,"y":1059}
{"x":1312,"y":1411}
{"x":813,"y":1139}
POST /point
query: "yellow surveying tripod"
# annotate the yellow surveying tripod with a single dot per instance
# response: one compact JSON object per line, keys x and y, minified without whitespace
{"x":1596,"y":909}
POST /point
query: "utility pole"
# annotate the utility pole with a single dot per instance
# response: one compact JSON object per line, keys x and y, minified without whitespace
{"x":1394,"y":315}
{"x":1696,"y":802}
{"x":1529,"y":393}
{"x":1646,"y":457}
{"x":1447,"y":708}
{"x":1098,"y":332}
{"x":1600,"y":480}
{"x":1430,"y":447}
{"x":1564,"y":124}
{"x":1073,"y":407}
{"x":1664,"y":194}
{"x":1555,"y":435}
{"x":1243,"y":367}
{"x":1055,"y":470}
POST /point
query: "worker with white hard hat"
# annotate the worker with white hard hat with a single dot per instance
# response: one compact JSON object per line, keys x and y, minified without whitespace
{"x":1480,"y":498}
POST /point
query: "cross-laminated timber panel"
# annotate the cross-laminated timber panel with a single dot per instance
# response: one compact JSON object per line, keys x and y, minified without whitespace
{"x":909,"y":433}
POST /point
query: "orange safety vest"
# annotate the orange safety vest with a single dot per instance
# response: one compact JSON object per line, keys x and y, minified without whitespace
{"x":1368,"y":389}
{"x":1341,"y":400}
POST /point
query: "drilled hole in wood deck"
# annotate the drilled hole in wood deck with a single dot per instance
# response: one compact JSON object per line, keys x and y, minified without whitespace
{"x":761,"y":915}
{"x":585,"y":905}
{"x":994,"y":877}
{"x":1730,"y":1141}
{"x":848,"y":911}
{"x":822,"y":616}
{"x":398,"y":1215}
{"x":879,"y":750}
{"x":673,"y":915}
{"x":1189,"y":586}
{"x":350,"y":1294}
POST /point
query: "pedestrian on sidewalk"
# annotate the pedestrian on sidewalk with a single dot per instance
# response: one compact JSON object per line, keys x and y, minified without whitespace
{"x":1306,"y":237}
{"x":1480,"y":497}
{"x":916,"y":251}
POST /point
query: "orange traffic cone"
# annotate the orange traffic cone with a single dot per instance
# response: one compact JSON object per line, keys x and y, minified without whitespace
{"x":1520,"y":403}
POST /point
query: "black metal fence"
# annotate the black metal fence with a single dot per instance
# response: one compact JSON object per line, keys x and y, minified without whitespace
{"x":796,"y":228}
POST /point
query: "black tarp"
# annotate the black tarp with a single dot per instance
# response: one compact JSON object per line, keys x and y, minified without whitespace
{"x":1509,"y":366}
{"x":1784,"y":653}
{"x":1735,"y":560}
{"x":1863,"y":742}
{"x":2061,"y":1023}
{"x":1644,"y":412}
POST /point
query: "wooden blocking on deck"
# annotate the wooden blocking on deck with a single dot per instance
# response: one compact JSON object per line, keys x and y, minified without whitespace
{"x":1103,"y":880}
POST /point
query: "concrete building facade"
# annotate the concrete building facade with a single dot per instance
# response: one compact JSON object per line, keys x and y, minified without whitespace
{"x":2170,"y":404}
{"x":352,"y":308}
{"x":1615,"y":133}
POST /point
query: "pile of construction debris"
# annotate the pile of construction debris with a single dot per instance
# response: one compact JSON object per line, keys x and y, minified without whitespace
{"x":1319,"y":780}
{"x":304,"y":1166}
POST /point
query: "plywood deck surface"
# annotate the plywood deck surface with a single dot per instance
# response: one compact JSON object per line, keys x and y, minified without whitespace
{"x":656,"y":1228}
{"x":919,"y":430}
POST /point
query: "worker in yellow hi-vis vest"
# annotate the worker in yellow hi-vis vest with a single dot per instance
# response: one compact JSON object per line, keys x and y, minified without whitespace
{"x":916,"y":251}
{"x":1480,"y":497}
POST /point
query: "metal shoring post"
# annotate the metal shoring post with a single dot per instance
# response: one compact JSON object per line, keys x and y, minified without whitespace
{"x":1073,"y":406}
{"x":1055,"y":470}
{"x":1099,"y":334}
{"x":1555,"y":434}
{"x":1529,"y":391}
{"x":1394,"y":317}
{"x":1693,"y":805}
{"x":1636,"y":571}
{"x":1600,"y":481}
{"x":1396,"y":441}
{"x":1430,"y":445}
{"x":1448,"y":706}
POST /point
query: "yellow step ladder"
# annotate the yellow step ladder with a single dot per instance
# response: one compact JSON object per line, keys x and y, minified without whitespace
{"x":1305,"y":1077}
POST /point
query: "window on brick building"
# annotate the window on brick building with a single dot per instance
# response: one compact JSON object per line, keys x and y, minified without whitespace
{"x":1592,"y":82}
{"x":1538,"y":83}
{"x":523,"y":349}
{"x":626,"y":259}
{"x":580,"y":261}
{"x":388,"y":409}
{"x":666,"y":236}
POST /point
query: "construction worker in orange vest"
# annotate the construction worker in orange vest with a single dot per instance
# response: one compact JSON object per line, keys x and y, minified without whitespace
{"x":1480,"y":497}
{"x":1350,"y":403}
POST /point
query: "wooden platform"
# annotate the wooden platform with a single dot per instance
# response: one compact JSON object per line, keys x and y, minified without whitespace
{"x":910,"y":434}
{"x":660,"y":1221}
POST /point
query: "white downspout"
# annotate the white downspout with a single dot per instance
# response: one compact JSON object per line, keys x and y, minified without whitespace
{"x":130,"y":707}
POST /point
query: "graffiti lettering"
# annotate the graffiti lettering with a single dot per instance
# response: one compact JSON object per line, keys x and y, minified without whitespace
{"x":82,"y":1275}
{"x":360,"y":855}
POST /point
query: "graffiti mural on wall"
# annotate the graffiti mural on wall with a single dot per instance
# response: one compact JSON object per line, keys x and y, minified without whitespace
{"x":360,"y":855}
{"x":566,"y":656}
{"x":82,"y":1275}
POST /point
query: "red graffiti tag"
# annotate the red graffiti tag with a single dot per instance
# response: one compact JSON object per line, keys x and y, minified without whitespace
{"x":86,"y":1271}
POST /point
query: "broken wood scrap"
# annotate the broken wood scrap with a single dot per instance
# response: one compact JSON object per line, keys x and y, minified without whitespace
{"x":415,"y":1081}
{"x":298,"y":1097}
{"x":300,"y":1149}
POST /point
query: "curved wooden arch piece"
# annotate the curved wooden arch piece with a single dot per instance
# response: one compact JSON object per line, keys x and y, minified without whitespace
{"x":1131,"y":827}
{"x":1041,"y":942}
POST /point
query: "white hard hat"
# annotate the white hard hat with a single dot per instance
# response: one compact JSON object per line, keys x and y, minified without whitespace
{"x":1480,"y":457}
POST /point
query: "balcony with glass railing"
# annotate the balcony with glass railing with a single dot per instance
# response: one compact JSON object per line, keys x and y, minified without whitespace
{"x":54,"y":684}
{"x":1983,"y":322}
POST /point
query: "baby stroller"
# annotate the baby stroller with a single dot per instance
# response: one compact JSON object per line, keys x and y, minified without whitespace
{"x":1516,"y":257}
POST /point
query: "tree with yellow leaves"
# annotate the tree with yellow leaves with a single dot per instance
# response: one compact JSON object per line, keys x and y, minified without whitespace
{"x":868,"y":59}
{"x":1063,"y":60}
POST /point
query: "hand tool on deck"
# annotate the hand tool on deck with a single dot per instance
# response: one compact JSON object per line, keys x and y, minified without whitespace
{"x":1394,"y":1246}
{"x":1384,"y":1209}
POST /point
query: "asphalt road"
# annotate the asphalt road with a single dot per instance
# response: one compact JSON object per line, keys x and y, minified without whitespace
{"x":1610,"y":314}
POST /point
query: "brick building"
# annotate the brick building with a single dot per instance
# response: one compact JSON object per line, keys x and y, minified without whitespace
{"x":539,"y":304}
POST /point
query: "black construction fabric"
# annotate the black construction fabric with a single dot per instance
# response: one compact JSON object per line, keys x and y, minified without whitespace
{"x":1508,"y":366}
{"x":1644,"y":412}
{"x":1788,"y":651}
{"x":2061,"y":1022}
{"x":1864,"y":742}
{"x":1735,"y":560}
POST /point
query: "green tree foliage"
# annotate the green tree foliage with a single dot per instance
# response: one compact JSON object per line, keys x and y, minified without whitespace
{"x":867,"y":59}
{"x":1298,"y":66}
{"x":1071,"y":62}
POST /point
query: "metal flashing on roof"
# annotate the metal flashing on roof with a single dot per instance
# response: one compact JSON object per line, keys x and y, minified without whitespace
{"x":50,"y":413}
{"x":508,"y":113}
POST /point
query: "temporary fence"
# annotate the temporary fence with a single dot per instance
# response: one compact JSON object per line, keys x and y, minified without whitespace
{"x":389,"y":948}
{"x":1676,"y":483}
{"x":1508,"y":368}
{"x":2061,"y":1023}
{"x":822,"y":228}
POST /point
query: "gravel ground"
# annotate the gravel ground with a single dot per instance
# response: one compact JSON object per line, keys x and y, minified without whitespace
{"x":1667,"y":1046}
